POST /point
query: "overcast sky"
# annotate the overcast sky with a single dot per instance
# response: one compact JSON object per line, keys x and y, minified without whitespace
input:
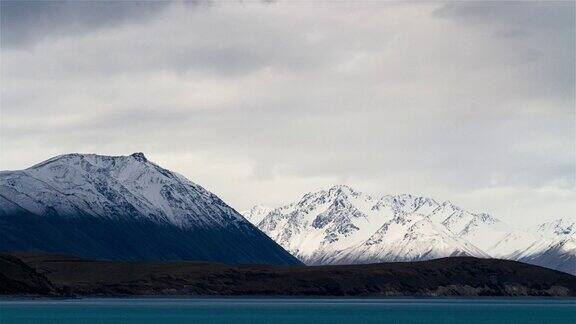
{"x":471,"y":102}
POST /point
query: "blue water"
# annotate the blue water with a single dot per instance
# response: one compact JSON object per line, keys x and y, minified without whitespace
{"x":301,"y":311}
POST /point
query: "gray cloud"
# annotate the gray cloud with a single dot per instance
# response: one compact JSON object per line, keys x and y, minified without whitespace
{"x":541,"y":34}
{"x":513,"y":15}
{"x":25,"y":22}
{"x":462,"y":101}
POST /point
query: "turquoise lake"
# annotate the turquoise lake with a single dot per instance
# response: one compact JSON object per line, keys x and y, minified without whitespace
{"x":317,"y":311}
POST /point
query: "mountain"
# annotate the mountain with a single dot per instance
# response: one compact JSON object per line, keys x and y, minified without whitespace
{"x":551,"y":244}
{"x":124,"y":208}
{"x":256,"y":213}
{"x":343,"y":226}
{"x":556,"y":228}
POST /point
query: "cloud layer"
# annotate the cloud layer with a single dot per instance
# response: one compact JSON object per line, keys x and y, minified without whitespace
{"x":468,"y":101}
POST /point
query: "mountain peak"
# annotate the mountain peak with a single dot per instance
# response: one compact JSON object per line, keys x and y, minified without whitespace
{"x":94,"y":159}
{"x":557,"y":227}
{"x":339,"y":189}
{"x":139,"y":156}
{"x":256,"y":213}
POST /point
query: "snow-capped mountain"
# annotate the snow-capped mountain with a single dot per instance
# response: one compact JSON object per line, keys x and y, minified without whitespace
{"x":556,"y":228}
{"x":343,"y":226}
{"x":124,"y":207}
{"x":256,"y":213}
{"x":551,"y":244}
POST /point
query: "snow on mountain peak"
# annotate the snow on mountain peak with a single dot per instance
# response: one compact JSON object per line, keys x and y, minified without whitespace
{"x":139,"y":156}
{"x":343,"y":190}
{"x":98,"y":185}
{"x":256,"y":213}
{"x":556,"y":228}
{"x":341,"y":225}
{"x":344,"y":225}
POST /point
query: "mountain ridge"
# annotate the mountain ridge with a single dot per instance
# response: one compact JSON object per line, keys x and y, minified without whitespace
{"x":340,"y":225}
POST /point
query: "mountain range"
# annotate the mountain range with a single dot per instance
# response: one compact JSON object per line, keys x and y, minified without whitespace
{"x":344,"y":226}
{"x":124,"y":208}
{"x":129,"y":208}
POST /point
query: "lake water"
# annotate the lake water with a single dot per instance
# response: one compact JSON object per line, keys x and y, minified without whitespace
{"x":301,"y":311}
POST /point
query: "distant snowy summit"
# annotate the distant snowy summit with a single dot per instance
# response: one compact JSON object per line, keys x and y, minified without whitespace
{"x":343,"y":226}
{"x":256,"y":213}
{"x":124,"y":207}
